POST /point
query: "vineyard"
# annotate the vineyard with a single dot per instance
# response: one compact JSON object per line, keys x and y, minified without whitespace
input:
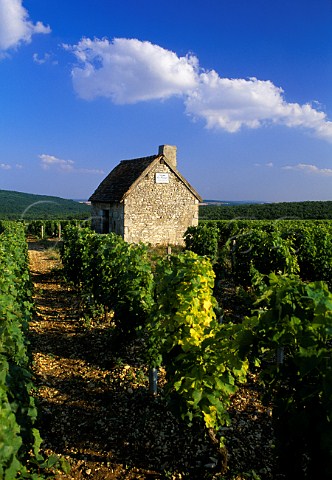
{"x":20,"y":440}
{"x":214,"y":362}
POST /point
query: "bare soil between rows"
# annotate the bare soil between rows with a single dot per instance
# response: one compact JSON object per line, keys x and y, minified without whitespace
{"x":95,"y":409}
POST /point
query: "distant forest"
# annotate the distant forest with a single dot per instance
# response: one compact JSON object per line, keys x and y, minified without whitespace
{"x":309,"y":210}
{"x":27,"y":206}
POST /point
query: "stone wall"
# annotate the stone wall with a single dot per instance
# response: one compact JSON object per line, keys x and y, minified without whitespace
{"x":159,"y":213}
{"x":96,"y":216}
{"x":115,"y":217}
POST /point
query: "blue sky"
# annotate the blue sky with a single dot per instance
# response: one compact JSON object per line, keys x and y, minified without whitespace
{"x":243,"y":89}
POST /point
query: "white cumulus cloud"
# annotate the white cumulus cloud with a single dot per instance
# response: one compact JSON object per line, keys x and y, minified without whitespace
{"x":308,"y":168}
{"x":231,"y":104}
{"x":268,"y":164}
{"x":5,"y":166}
{"x":15,"y":25}
{"x":48,"y":161}
{"x":51,"y":162}
{"x":128,"y":71}
{"x":8,"y":166}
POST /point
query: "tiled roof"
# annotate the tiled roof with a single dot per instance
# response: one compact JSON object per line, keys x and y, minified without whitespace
{"x":119,"y":181}
{"x":121,"y":178}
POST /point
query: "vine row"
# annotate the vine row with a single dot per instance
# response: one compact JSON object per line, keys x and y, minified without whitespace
{"x":19,"y":438}
{"x":240,"y":247}
{"x":286,"y":340}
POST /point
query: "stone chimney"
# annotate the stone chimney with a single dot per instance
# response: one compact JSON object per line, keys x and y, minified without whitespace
{"x":169,"y":152}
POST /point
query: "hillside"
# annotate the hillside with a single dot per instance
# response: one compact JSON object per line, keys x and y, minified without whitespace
{"x":27,"y":206}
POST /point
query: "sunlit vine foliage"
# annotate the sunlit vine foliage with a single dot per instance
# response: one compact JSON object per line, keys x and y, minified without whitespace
{"x":19,"y":438}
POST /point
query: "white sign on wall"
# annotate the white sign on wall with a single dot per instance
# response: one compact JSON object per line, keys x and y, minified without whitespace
{"x":162,"y":178}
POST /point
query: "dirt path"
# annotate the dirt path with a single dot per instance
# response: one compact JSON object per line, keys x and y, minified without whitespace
{"x":70,"y":386}
{"x":95,"y":409}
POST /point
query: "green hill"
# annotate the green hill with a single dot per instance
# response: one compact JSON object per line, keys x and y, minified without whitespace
{"x":27,"y":206}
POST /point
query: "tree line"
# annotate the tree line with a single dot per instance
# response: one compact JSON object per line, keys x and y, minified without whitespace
{"x":309,"y":210}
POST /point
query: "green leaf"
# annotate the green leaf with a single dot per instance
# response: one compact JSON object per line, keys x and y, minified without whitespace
{"x":197,"y":396}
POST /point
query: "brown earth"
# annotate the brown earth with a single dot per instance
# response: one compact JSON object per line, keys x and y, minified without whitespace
{"x":95,"y":407}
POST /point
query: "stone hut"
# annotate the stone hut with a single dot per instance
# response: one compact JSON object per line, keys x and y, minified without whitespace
{"x":146,"y":199}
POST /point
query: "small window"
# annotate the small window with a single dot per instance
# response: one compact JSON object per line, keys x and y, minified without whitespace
{"x":161,"y":161}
